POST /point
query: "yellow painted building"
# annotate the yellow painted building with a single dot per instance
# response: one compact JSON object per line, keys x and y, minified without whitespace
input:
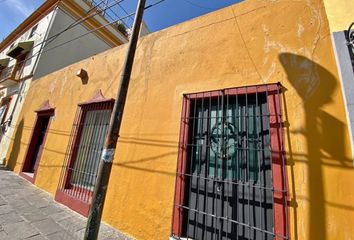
{"x":254,"y":43}
{"x":339,"y":14}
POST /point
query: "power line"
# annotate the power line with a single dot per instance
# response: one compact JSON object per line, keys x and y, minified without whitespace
{"x":103,"y":26}
{"x":154,"y":4}
{"x":125,"y":11}
{"x":78,"y":21}
{"x":112,"y":18}
{"x":73,"y":39}
{"x":89,"y":32}
{"x":72,"y":24}
{"x":42,"y":15}
{"x":200,"y":6}
{"x":19,"y":34}
{"x":93,"y":30}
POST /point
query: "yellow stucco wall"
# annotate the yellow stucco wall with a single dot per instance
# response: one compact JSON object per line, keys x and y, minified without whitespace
{"x":254,"y":42}
{"x":340,"y":14}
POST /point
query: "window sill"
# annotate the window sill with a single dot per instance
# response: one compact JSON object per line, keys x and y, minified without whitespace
{"x":63,"y":196}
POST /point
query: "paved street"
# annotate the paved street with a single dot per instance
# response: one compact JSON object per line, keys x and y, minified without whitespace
{"x":27,"y":212}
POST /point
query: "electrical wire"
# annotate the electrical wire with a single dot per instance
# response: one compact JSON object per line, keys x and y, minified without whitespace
{"x":43,"y":14}
{"x":103,"y":26}
{"x":93,"y":30}
{"x":71,"y":25}
{"x":78,"y":21}
{"x":89,"y":32}
{"x":154,"y":4}
{"x":125,"y":11}
{"x":200,"y":6}
{"x":112,"y":18}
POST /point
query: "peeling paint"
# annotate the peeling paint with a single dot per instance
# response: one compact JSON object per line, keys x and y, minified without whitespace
{"x":300,"y":30}
{"x":208,"y":53}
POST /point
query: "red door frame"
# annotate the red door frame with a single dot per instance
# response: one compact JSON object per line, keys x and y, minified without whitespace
{"x":68,"y":195}
{"x":45,"y":111}
{"x":280,"y":183}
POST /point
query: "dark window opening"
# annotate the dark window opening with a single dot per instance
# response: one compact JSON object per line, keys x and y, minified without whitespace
{"x":33,"y":31}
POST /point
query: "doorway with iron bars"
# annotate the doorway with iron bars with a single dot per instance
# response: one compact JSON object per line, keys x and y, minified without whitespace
{"x":231,"y":179}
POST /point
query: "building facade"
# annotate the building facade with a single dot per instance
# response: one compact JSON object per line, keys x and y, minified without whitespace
{"x":36,"y":48}
{"x":235,"y":127}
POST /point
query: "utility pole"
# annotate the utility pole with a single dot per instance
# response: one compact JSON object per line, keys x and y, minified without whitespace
{"x":104,"y":171}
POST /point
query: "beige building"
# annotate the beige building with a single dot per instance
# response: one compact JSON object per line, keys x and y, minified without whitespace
{"x":35,"y":48}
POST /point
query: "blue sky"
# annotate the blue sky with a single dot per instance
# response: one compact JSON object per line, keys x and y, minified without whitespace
{"x":169,"y":12}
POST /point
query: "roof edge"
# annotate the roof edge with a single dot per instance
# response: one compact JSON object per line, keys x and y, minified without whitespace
{"x":34,"y":18}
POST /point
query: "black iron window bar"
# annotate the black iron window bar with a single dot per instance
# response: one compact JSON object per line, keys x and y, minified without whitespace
{"x":79,"y":171}
{"x":229,"y":183}
{"x":349,"y":35}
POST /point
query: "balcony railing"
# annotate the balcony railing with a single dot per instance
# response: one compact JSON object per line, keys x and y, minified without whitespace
{"x":10,"y":76}
{"x":7,"y":73}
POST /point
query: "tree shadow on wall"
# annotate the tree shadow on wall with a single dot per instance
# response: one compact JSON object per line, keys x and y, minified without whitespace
{"x":323,"y":132}
{"x":16,"y":145}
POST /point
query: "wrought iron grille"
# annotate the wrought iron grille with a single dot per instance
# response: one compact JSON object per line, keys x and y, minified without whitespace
{"x":79,"y":171}
{"x":349,"y":34}
{"x":226,"y":185}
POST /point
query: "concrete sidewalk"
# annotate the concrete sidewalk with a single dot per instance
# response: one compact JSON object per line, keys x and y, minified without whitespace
{"x":27,"y":212}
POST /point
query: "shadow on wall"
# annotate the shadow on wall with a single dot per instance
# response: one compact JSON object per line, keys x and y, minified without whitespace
{"x":315,"y":85}
{"x":12,"y":159}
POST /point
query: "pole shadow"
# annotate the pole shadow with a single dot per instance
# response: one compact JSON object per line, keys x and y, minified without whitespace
{"x":315,"y":85}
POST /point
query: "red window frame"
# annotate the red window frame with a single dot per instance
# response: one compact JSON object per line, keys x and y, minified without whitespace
{"x":45,"y":111}
{"x":280,"y":182}
{"x":75,"y":197}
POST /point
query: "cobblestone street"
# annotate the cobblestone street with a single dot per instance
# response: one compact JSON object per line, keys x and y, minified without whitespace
{"x":26,"y":212}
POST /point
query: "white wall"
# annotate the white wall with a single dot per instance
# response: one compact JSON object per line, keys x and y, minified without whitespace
{"x":13,"y":91}
{"x":37,"y":38}
{"x":60,"y":57}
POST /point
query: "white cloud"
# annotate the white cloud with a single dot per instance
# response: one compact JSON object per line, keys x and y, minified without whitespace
{"x":21,"y":7}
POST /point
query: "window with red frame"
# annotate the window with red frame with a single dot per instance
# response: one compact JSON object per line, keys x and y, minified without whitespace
{"x":80,"y":167}
{"x":231,"y":179}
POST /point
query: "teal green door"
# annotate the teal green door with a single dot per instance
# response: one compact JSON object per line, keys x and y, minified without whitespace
{"x":229,"y":172}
